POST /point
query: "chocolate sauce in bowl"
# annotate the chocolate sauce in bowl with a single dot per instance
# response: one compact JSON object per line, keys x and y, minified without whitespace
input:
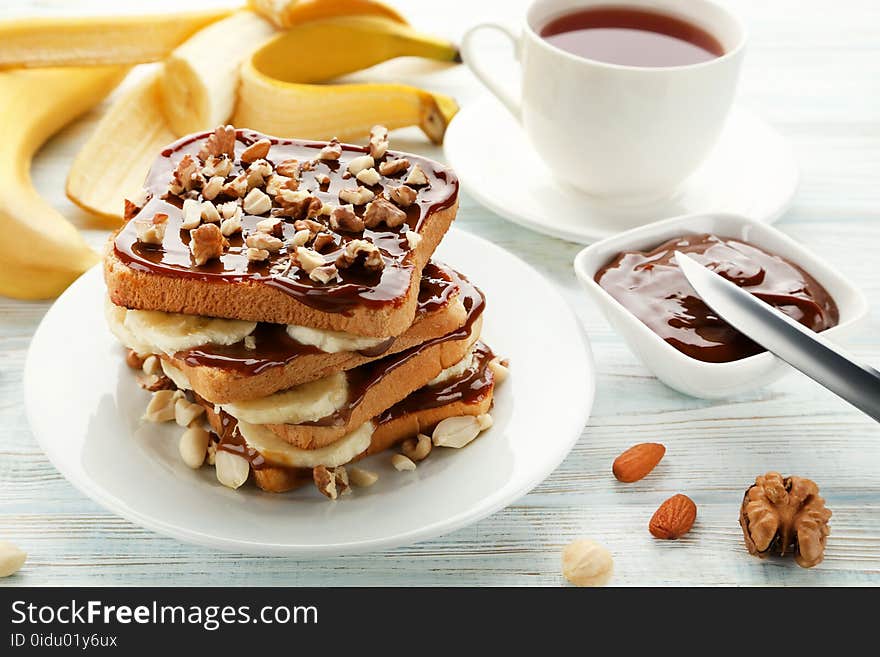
{"x":652,"y":287}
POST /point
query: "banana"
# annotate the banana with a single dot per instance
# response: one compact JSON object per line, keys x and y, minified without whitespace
{"x":89,"y":41}
{"x":363,"y":42}
{"x":200,"y":78}
{"x":286,"y":13}
{"x":112,"y":165}
{"x":331,"y":342}
{"x":303,"y":403}
{"x":344,"y":111}
{"x":115,"y":316}
{"x":172,"y":332}
{"x":279,"y":452}
{"x":42,"y":253}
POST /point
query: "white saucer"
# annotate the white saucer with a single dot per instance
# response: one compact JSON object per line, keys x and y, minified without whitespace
{"x":751,"y":172}
{"x":84,"y":408}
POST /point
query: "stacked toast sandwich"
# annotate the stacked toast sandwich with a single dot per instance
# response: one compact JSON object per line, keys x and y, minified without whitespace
{"x":280,"y":300}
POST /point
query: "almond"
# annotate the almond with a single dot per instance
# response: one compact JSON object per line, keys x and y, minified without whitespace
{"x":674,"y":518}
{"x":636,"y":462}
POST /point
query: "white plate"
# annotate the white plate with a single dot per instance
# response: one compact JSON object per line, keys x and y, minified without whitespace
{"x":751,"y":172}
{"x":84,"y":408}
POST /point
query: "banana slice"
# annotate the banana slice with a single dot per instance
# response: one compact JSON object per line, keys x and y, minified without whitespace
{"x":331,"y":341}
{"x":173,"y":332}
{"x":306,"y":402}
{"x":177,"y":376}
{"x":454,"y":371}
{"x":278,"y":452}
{"x":115,"y":316}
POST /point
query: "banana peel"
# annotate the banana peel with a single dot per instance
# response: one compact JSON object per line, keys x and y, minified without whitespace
{"x":287,"y":13}
{"x":95,"y":41}
{"x":42,"y":252}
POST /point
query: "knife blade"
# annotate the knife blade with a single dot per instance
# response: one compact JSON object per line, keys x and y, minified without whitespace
{"x":794,"y":343}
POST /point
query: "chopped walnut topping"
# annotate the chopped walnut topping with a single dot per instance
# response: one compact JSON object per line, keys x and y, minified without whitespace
{"x":331,"y":151}
{"x":151,"y":231}
{"x":256,"y":202}
{"x":257,"y":173}
{"x":308,"y":259}
{"x":297,"y":204}
{"x":413,"y":239}
{"x":217,"y":166}
{"x":323,"y":180}
{"x":324,"y":274}
{"x":308,"y":166}
{"x":192,"y":214}
{"x":308,"y":224}
{"x":355,"y":249}
{"x":288,"y":168}
{"x":300,"y":238}
{"x":257,"y":255}
{"x":237,"y":187}
{"x":130,"y":210}
{"x":208,"y":212}
{"x":378,"y":141}
{"x":404,"y":195}
{"x":393,"y":167}
{"x":322,"y":241}
{"x":271,"y":226}
{"x":416,"y":176}
{"x":264,"y":241}
{"x":229,"y":209}
{"x":358,"y":164}
{"x":186,"y":176}
{"x":356,"y":195}
{"x":212,"y":187}
{"x":136,"y":203}
{"x":275,"y":183}
{"x":332,"y":482}
{"x":383,"y":211}
{"x":206,"y":243}
{"x":369,"y":176}
{"x":221,"y":142}
{"x":344,"y":218}
{"x":232,"y":225}
{"x":256,"y":151}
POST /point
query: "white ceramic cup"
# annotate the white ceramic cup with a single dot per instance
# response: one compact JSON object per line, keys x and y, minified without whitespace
{"x":624,"y":132}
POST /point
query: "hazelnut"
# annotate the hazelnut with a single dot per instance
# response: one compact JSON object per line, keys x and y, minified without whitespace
{"x":206,"y":243}
{"x":151,"y":231}
{"x":358,"y":164}
{"x":586,"y":563}
{"x":256,"y":151}
{"x":416,"y":176}
{"x":355,"y":249}
{"x":343,"y":218}
{"x":12,"y":558}
{"x":220,"y":142}
{"x":332,"y":151}
{"x":404,"y":195}
{"x":256,"y":202}
{"x":418,"y":448}
{"x":382,"y":210}
{"x":356,"y":195}
{"x":393,"y":167}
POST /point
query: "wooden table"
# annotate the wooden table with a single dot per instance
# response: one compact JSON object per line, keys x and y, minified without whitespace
{"x":814,"y":72}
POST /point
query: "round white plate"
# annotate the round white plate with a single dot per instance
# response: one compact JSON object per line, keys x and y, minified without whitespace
{"x":751,"y":172}
{"x":84,"y":408}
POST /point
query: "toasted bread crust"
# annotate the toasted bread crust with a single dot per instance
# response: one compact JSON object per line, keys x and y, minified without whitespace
{"x":260,"y":302}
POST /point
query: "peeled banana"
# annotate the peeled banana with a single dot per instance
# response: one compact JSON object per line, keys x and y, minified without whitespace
{"x":345,"y":44}
{"x":39,"y":42}
{"x":278,"y":452}
{"x":286,"y":13}
{"x":307,"y":402}
{"x":41,"y":252}
{"x":113,"y":163}
{"x":344,"y":111}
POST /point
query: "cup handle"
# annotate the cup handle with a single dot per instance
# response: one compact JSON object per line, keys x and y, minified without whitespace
{"x":468,"y":55}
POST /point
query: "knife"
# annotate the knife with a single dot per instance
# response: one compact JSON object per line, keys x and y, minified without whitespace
{"x":794,"y":343}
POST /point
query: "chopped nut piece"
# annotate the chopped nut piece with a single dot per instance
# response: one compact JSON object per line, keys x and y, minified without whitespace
{"x":265,"y":241}
{"x":250,"y":342}
{"x":192,"y":214}
{"x":193,"y":446}
{"x":586,"y":563}
{"x":257,"y":174}
{"x":136,"y":203}
{"x":322,"y":179}
{"x":368,"y":176}
{"x":185,"y":412}
{"x":378,"y":141}
{"x":257,"y":255}
{"x":271,"y":226}
{"x":232,"y":225}
{"x":402,"y":463}
{"x":186,"y":176}
{"x":300,"y":238}
{"x":298,"y":204}
{"x":322,"y":241}
{"x":356,"y":195}
{"x":221,"y":142}
{"x":151,"y":231}
{"x":362,"y":478}
{"x":331,"y":151}
{"x":256,"y":202}
{"x":331,"y":482}
{"x":308,"y":259}
{"x":134,"y":360}
{"x":324,"y":274}
{"x":130,"y":210}
{"x":232,"y":470}
{"x":230,"y":209}
{"x":155,"y":382}
{"x":275,"y":183}
{"x":161,"y":406}
{"x":456,"y":431}
{"x":206,"y":243}
{"x":499,"y":370}
{"x":785,"y":514}
{"x":392,"y":167}
{"x":208,"y":212}
{"x":372,"y":257}
{"x":217,"y":166}
{"x":212,"y":187}
{"x":358,"y":164}
{"x":308,"y":166}
{"x":404,"y":196}
{"x":418,"y":448}
{"x":382,"y":210}
{"x":211,"y":457}
{"x":237,"y":187}
{"x":416,"y":176}
{"x":256,"y":151}
{"x":343,"y":218}
{"x":151,"y":365}
{"x":308,"y":224}
{"x":413,"y":239}
{"x":288,"y":168}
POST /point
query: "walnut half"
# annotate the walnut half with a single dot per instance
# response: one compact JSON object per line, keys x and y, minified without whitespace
{"x":785,"y":514}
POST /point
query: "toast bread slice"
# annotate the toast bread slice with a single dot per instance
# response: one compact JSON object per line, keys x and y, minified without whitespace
{"x":357,"y":271}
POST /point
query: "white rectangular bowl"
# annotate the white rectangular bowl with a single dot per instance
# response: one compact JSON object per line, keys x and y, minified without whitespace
{"x":677,"y":370}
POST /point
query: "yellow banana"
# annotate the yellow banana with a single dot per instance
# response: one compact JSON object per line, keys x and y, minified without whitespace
{"x":113,"y":163}
{"x":41,"y":253}
{"x":363,"y":42}
{"x":286,"y":13}
{"x":40,"y":42}
{"x":345,"y":111}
